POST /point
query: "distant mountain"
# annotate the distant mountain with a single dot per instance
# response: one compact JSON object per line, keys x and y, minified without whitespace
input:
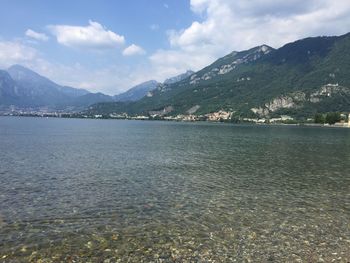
{"x":91,"y":98}
{"x":168,"y":83}
{"x":8,"y":89}
{"x":178,"y":77}
{"x":299,"y":79}
{"x":73,"y":92}
{"x":145,"y":89}
{"x":36,"y":90}
{"x":24,"y":88}
{"x":137,"y":92}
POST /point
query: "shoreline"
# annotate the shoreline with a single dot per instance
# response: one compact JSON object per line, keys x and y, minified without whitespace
{"x":185,"y":121}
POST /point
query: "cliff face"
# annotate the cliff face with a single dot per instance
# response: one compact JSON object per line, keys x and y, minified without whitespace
{"x":298,"y":100}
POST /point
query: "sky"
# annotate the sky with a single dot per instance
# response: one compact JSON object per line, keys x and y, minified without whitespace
{"x":111,"y":45}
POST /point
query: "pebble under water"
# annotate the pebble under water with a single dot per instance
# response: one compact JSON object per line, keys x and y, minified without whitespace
{"x":76,"y":190}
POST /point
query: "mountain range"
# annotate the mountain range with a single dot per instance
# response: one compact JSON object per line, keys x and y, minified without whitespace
{"x":24,"y":89}
{"x":137,"y":92}
{"x":299,"y":79}
{"x":145,"y":89}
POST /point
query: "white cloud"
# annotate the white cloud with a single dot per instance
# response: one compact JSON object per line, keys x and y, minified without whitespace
{"x":221,"y":27}
{"x":109,"y":79}
{"x":225,"y":25}
{"x":36,"y":35}
{"x":14,"y":52}
{"x":93,"y":36}
{"x":169,"y":63}
{"x":133,"y":50}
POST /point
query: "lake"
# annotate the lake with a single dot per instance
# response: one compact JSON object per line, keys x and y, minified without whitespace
{"x":74,"y":190}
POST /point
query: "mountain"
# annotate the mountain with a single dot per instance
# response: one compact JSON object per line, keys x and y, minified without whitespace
{"x":35,"y":90}
{"x":73,"y":92}
{"x":145,"y":89}
{"x":24,"y":88}
{"x":299,"y":79}
{"x":137,"y":92}
{"x":8,"y":89}
{"x":91,"y":98}
{"x":178,"y":77}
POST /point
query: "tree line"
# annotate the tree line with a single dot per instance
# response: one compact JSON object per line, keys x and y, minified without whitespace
{"x":330,"y":117}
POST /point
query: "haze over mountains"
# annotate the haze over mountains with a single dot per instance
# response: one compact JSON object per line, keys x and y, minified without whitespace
{"x":23,"y":88}
{"x":299,"y":79}
{"x":137,"y":92}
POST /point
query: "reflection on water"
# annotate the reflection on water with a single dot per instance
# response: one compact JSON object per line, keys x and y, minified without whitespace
{"x":128,"y":191}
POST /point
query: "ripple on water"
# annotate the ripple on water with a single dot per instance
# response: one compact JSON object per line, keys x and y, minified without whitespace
{"x":118,"y":191}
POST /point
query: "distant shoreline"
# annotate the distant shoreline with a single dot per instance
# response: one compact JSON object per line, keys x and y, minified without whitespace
{"x":198,"y":121}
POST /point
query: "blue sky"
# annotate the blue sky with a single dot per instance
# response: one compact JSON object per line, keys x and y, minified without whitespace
{"x":109,"y":46}
{"x":140,"y":21}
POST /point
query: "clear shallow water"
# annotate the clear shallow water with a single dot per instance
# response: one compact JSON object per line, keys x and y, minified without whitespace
{"x":133,"y":191}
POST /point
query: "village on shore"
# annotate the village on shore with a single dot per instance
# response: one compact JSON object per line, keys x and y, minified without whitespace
{"x":219,"y":116}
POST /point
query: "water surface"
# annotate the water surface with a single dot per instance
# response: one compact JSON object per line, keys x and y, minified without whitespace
{"x":142,"y":191}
